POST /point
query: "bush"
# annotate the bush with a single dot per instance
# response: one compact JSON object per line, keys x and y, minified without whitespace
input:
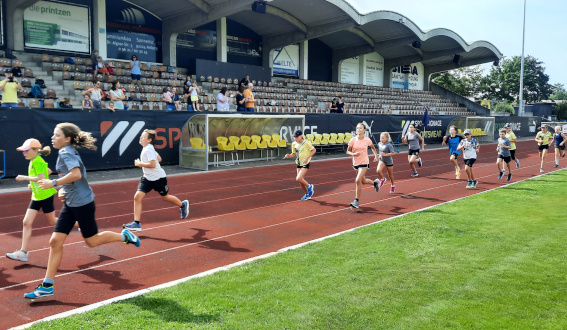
{"x":504,"y":107}
{"x":561,"y":110}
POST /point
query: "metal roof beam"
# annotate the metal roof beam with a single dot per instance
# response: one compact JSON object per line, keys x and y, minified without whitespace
{"x":286,"y":16}
{"x":202,"y":5}
{"x":359,"y":33}
{"x":450,"y":66}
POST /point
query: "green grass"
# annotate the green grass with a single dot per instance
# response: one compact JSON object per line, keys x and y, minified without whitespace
{"x":490,"y":261}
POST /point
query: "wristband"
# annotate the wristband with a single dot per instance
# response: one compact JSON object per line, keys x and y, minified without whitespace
{"x":54,"y":182}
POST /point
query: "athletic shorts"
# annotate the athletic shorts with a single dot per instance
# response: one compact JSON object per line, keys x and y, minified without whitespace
{"x":45,"y":204}
{"x":159,"y":185}
{"x":506,"y":159}
{"x":543,"y":146}
{"x":413,"y":152}
{"x":469,"y":162}
{"x":454,"y":154}
{"x":560,"y":147}
{"x":303,"y":166}
{"x":136,"y":76}
{"x":356,"y":167}
{"x":194,"y":98}
{"x":85,"y":215}
{"x":513,"y":154}
{"x":387,"y":165}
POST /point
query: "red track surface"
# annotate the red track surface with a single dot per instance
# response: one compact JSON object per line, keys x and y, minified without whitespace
{"x":235,"y":215}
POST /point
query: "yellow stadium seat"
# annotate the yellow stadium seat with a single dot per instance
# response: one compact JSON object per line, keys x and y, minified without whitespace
{"x":197,"y":143}
{"x":238,"y":145}
{"x":325,"y":139}
{"x":348,"y":137}
{"x":281,"y":142}
{"x":333,"y":138}
{"x":223,"y":144}
{"x":341,"y":138}
{"x":310,"y":137}
{"x":317,"y":139}
{"x":260,"y":144}
{"x":250,"y":145}
{"x":272,"y":143}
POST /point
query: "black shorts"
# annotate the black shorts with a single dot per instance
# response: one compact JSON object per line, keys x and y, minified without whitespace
{"x":356,"y":167}
{"x":513,"y":154}
{"x":160,"y":185}
{"x":45,"y":204}
{"x":456,"y":155}
{"x":85,"y":215}
{"x":560,"y":147}
{"x":413,"y":152}
{"x":543,"y":146}
{"x":507,"y":159}
{"x":469,"y":162}
{"x":303,"y":166}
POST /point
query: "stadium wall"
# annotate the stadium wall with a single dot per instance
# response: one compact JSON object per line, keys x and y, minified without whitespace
{"x":320,"y":63}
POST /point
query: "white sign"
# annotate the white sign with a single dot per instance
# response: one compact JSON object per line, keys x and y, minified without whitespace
{"x":349,"y":69}
{"x":53,"y":25}
{"x":407,"y":76}
{"x":374,"y":69}
{"x":286,"y":60}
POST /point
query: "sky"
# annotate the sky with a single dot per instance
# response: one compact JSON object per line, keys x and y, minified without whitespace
{"x":496,"y":21}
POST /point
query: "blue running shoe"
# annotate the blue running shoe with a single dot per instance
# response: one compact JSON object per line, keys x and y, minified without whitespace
{"x":131,"y":238}
{"x":311,"y":190}
{"x":414,"y":175}
{"x":184,"y":209}
{"x":19,"y":255}
{"x":39,"y":292}
{"x":500,"y":175}
{"x":509,"y":177}
{"x":474,"y":183}
{"x":517,"y":163}
{"x":469,"y":185}
{"x":133,"y":226}
{"x":305,"y":197}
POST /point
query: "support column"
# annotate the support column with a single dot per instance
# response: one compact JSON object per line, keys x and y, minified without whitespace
{"x":222,"y":48}
{"x":362,"y":69}
{"x":14,"y":26}
{"x":99,"y":27}
{"x":387,"y":74}
{"x":303,"y":59}
{"x":336,"y":69}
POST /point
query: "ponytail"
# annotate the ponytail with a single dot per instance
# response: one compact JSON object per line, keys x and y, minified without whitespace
{"x":79,"y":138}
{"x":45,"y":151}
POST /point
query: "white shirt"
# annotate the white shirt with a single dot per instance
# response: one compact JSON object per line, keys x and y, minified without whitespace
{"x":148,"y":154}
{"x":222,"y":106}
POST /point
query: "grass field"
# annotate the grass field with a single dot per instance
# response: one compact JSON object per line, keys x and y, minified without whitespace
{"x":494,"y":260}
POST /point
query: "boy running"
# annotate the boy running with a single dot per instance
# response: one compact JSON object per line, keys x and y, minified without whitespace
{"x":453,"y":140}
{"x":470,"y":147}
{"x":154,"y":179}
{"x":303,"y":150}
{"x":544,"y":139}
{"x":503,"y":149}
{"x":512,"y":137}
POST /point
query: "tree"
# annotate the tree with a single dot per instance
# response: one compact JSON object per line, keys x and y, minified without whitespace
{"x":561,"y":110}
{"x":559,"y":92}
{"x":503,"y":81}
{"x":463,"y":81}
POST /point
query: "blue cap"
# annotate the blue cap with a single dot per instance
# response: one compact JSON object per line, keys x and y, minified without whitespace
{"x":298,"y":133}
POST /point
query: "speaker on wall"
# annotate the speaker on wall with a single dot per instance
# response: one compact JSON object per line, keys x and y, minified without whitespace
{"x":457,"y":59}
{"x":259,"y":7}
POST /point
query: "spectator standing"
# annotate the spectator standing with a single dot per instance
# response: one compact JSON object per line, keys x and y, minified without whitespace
{"x":194,"y":90}
{"x":100,"y":67}
{"x":240,"y":99}
{"x":135,"y":71}
{"x":245,"y":81}
{"x":340,"y":105}
{"x":166,"y":97}
{"x":333,"y":106}
{"x":249,"y":98}
{"x":94,"y":58}
{"x":222,"y":100}
{"x":96,"y":95}
{"x":117,"y":95}
{"x":9,"y":88}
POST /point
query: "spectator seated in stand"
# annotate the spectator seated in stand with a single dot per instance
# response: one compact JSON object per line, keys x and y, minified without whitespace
{"x":111,"y":107}
{"x":66,"y":103}
{"x":36,"y":89}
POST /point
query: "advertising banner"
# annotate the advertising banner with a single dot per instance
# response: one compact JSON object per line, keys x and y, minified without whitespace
{"x":349,"y":70}
{"x":286,"y":60}
{"x":408,"y":76}
{"x":206,"y":40}
{"x":57,"y":26}
{"x":374,"y":69}
{"x":132,"y":30}
{"x":522,"y":126}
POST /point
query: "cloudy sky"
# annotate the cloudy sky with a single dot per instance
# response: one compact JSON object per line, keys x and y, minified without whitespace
{"x":496,"y":21}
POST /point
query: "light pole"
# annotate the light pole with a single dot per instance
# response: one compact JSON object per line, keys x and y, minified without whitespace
{"x":521,"y":108}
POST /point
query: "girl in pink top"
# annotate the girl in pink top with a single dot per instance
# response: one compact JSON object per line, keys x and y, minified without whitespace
{"x":358,"y":149}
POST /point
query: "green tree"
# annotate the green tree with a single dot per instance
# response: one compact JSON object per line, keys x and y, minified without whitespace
{"x":463,"y":81}
{"x":503,"y":81}
{"x":561,"y":110}
{"x":559,"y":92}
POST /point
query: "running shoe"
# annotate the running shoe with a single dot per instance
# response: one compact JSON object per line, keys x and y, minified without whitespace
{"x":469,"y":185}
{"x":500,"y":175}
{"x":419,"y":162}
{"x":556,"y":165}
{"x":414,"y":174}
{"x":354,"y":204}
{"x":509,"y":177}
{"x":305,"y":197}
{"x":382,"y":182}
{"x":503,"y":170}
{"x":392,"y":189}
{"x":133,"y":226}
{"x":541,"y":170}
{"x":474,"y":183}
{"x":517,"y":163}
{"x":458,"y":173}
{"x":40,"y":291}
{"x":377,"y":185}
{"x":131,"y":238}
{"x":19,"y":255}
{"x":184,"y":209}
{"x":310,"y":190}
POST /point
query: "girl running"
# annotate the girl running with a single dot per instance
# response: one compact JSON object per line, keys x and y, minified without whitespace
{"x":78,"y":204}
{"x":544,"y":139}
{"x":470,"y":149}
{"x":512,"y":137}
{"x":386,"y":160}
{"x":41,"y":199}
{"x":412,"y":138}
{"x":358,"y":149}
{"x":453,"y":140}
{"x":303,"y":150}
{"x":559,"y":139}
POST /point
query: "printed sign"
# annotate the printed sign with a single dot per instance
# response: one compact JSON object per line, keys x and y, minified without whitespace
{"x":374,"y":69}
{"x":206,"y":40}
{"x":57,"y":26}
{"x":349,"y":69}
{"x":408,"y":76}
{"x":286,"y":60}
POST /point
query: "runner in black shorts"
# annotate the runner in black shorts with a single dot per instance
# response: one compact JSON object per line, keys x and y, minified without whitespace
{"x":302,"y":150}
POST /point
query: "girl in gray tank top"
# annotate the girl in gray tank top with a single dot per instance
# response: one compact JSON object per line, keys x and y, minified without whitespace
{"x":386,"y":161}
{"x":413,"y":138}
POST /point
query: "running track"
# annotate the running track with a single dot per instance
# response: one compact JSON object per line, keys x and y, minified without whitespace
{"x":234,"y":215}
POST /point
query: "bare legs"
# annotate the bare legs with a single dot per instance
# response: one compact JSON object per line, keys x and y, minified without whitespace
{"x":300,"y":179}
{"x":361,"y":180}
{"x":27,"y":225}
{"x":139,"y":196}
